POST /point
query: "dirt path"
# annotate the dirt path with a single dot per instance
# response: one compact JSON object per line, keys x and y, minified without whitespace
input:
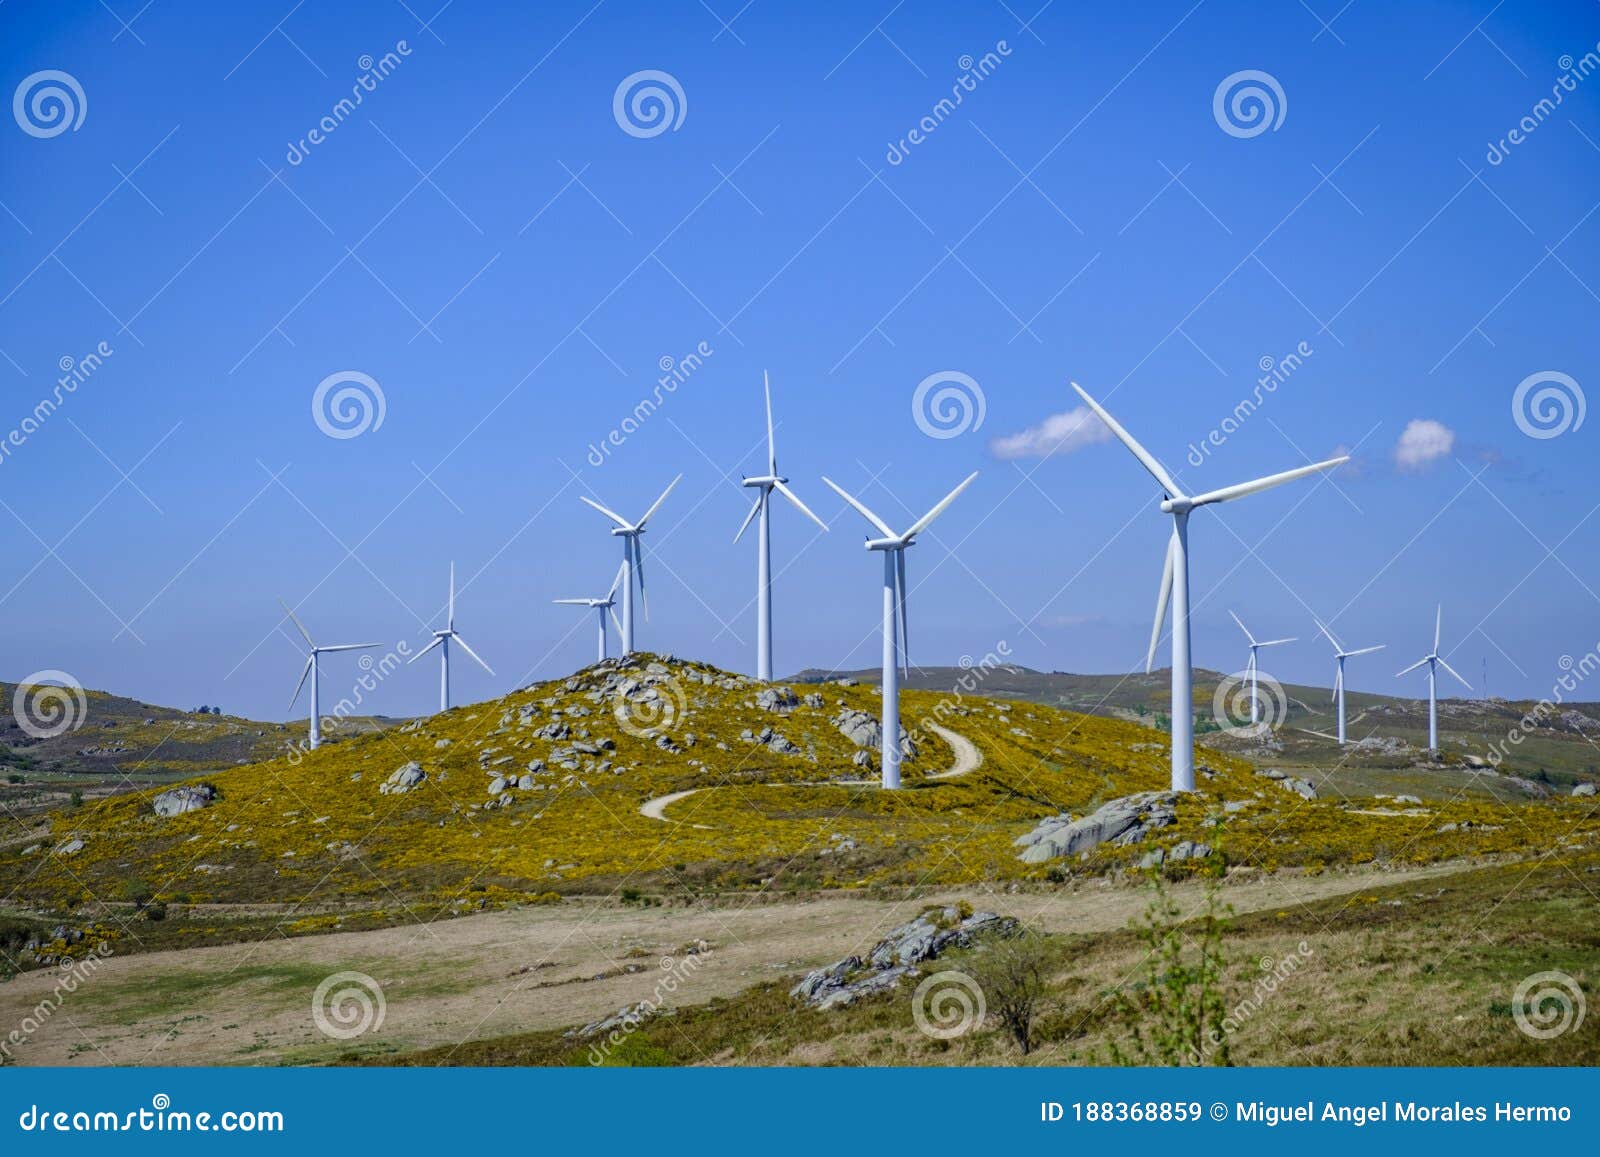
{"x":515,"y":971}
{"x":968,"y":757}
{"x":655,"y":809}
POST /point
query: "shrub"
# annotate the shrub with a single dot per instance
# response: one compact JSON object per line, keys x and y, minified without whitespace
{"x":1014,"y":977}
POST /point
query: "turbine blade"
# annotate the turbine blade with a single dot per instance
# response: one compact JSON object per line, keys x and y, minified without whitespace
{"x":638,"y":573}
{"x":783,"y":489}
{"x":437,"y":640}
{"x":298,"y":624}
{"x":1438,"y":622}
{"x":749,"y":518}
{"x":1277,"y":642}
{"x":860,"y":508}
{"x":900,"y":600}
{"x":1228,"y":493}
{"x":618,"y":622}
{"x":1413,"y":667}
{"x":926,"y":520}
{"x":1243,"y":628}
{"x":350,"y":647}
{"x":1365,"y":650}
{"x":1338,"y":682}
{"x":772,"y":442}
{"x":611,"y":514}
{"x":1337,"y":646}
{"x":451,"y":622}
{"x":1162,"y":598}
{"x":1453,"y":671}
{"x":474,"y":654}
{"x":1147,"y":459}
{"x":649,"y":514}
{"x":573,"y":602}
{"x":304,"y":671}
{"x":616,"y":582}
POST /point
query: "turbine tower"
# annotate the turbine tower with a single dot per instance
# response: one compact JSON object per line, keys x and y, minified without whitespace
{"x":896,"y":646}
{"x":442,"y":640}
{"x":632,"y":560}
{"x":1175,"y":580}
{"x":1340,"y":655}
{"x":764,"y":486}
{"x":1434,"y":661}
{"x":601,"y":607}
{"x":1252,"y":667}
{"x":312,"y":668}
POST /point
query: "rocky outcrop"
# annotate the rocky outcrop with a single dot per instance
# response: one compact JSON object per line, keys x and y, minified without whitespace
{"x":780,"y":699}
{"x":897,"y":955}
{"x":187,"y":798}
{"x":1301,"y":787}
{"x":1120,"y":823}
{"x":865,"y":730}
{"x":1583,"y":789}
{"x":1183,"y":850}
{"x":405,"y":778}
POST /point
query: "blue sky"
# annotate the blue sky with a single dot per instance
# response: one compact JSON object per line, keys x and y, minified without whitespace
{"x":485,"y":241}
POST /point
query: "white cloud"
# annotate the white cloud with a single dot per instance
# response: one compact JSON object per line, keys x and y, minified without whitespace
{"x":1057,"y":434}
{"x":1421,"y":442}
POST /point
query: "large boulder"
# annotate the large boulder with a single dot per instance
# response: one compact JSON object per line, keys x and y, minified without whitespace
{"x":185,"y":798}
{"x":405,"y":778}
{"x":1584,"y":789}
{"x":1120,"y":822}
{"x":896,"y":956}
{"x":865,"y":730}
{"x":780,"y":699}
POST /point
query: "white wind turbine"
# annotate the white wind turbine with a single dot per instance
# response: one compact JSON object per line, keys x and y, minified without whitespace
{"x":442,"y":640}
{"x":1252,"y":668}
{"x":1434,"y":661}
{"x":1175,"y":580}
{"x":632,"y":560}
{"x":312,"y":668}
{"x":601,"y":607}
{"x":896,"y":647}
{"x":1340,"y":655}
{"x":765,"y":485}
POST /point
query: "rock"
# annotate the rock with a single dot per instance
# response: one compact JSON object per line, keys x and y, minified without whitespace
{"x":779,"y":699}
{"x":896,"y":956}
{"x":1584,"y":789}
{"x":782,"y":746}
{"x":1183,"y":850}
{"x":404,"y":778}
{"x":814,"y":700}
{"x":442,"y":743}
{"x":1302,"y":787}
{"x":865,"y":730}
{"x":497,"y":785}
{"x":187,"y":798}
{"x":862,"y":759}
{"x":71,"y":848}
{"x":1406,"y":799}
{"x":1122,"y":822}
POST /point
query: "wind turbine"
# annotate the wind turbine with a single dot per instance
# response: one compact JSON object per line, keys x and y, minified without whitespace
{"x":1340,"y":655}
{"x":1434,"y":661}
{"x":764,"y":486}
{"x":1175,"y":580}
{"x":311,"y":668}
{"x":601,"y":607}
{"x":632,"y":560}
{"x":442,"y":640}
{"x":1252,"y":667}
{"x":896,"y":646}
